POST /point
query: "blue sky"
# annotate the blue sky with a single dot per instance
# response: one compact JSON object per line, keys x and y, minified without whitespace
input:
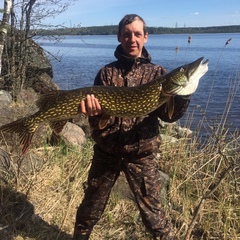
{"x":159,"y":13}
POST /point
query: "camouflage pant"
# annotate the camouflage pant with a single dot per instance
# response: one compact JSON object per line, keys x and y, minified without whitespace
{"x":144,"y":181}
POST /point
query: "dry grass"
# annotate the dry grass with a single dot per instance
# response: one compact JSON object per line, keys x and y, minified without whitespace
{"x":39,"y":201}
{"x":205,"y":197}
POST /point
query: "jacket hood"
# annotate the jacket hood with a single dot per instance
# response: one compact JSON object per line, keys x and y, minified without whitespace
{"x":120,"y":55}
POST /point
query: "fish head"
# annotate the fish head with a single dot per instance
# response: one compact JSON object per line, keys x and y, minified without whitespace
{"x":184,"y":80}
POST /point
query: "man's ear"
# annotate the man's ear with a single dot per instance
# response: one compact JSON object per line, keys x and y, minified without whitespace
{"x":118,"y":37}
{"x":145,"y":37}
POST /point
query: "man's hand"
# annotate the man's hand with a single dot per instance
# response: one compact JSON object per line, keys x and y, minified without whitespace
{"x":90,"y":106}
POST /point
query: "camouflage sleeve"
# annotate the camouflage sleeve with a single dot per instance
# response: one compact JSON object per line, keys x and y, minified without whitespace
{"x":100,"y":77}
{"x":180,"y":106}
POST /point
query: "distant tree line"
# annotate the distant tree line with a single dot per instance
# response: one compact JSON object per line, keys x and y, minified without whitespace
{"x":112,"y":30}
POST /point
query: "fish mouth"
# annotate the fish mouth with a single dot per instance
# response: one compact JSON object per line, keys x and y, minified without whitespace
{"x":200,"y":65}
{"x":194,"y":72}
{"x":203,"y":63}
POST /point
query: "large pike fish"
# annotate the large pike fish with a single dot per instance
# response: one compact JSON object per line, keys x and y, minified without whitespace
{"x":57,"y":106}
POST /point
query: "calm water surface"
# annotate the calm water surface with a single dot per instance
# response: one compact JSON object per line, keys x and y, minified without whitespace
{"x":80,"y":58}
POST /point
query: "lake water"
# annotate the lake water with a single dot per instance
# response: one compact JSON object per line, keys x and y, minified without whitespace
{"x":218,"y":94}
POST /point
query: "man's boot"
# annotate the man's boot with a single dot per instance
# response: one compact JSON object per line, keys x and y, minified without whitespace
{"x":80,"y":237}
{"x":167,"y":236}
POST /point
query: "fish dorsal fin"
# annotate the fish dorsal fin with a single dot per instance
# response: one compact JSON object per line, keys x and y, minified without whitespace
{"x":25,"y":141}
{"x":47,"y":98}
{"x":57,"y":126}
{"x":24,"y":131}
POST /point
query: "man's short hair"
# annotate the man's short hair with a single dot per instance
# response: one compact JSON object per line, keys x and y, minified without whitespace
{"x":129,"y":18}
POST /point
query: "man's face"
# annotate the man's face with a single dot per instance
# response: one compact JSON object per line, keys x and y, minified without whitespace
{"x":132,"y":38}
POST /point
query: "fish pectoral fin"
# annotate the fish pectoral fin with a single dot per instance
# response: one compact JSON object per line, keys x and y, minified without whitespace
{"x":57,"y":126}
{"x":103,"y":121}
{"x":170,"y":107}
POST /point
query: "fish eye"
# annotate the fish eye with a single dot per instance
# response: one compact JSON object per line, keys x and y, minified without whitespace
{"x":182,"y":69}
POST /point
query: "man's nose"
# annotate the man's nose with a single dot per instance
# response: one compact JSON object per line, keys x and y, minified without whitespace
{"x":132,"y":37}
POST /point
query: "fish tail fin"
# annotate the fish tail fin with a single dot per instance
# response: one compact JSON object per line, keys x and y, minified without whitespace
{"x":23,"y":130}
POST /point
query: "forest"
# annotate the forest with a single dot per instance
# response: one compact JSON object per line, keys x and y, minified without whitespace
{"x":112,"y":30}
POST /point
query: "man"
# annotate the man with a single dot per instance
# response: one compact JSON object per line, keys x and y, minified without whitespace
{"x":127,"y":145}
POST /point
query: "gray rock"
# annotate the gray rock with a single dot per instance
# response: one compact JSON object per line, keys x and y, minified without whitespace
{"x":183,"y":132}
{"x":5,"y":98}
{"x":169,"y":139}
{"x":73,"y":135}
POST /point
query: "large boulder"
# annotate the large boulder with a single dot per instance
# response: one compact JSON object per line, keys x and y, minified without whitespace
{"x":73,"y":136}
{"x":38,"y":73}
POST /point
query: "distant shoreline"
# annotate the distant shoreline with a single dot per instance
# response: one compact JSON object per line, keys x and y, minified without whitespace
{"x":112,"y":30}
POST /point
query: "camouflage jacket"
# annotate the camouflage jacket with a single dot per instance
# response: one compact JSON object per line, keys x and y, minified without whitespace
{"x":135,"y":135}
